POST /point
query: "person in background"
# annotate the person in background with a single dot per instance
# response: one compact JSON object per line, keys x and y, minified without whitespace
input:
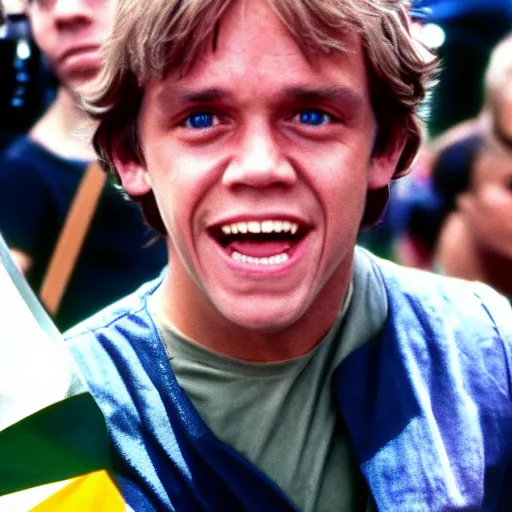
{"x":463,"y":224}
{"x":475,"y":241}
{"x":40,"y":173}
{"x":275,"y":366}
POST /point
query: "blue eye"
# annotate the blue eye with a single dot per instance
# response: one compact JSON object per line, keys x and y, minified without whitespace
{"x":314,"y":117}
{"x":200,"y":120}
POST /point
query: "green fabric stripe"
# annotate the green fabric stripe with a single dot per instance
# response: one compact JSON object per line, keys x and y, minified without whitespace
{"x":62,"y":441}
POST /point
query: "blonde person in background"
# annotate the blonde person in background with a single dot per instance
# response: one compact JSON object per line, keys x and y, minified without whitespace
{"x":476,"y":240}
{"x":40,"y":173}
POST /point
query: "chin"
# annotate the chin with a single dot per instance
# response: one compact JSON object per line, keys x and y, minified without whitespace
{"x":263,"y":321}
{"x":83,"y":83}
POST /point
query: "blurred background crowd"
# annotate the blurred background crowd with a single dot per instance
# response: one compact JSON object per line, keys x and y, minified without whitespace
{"x":452,"y":214}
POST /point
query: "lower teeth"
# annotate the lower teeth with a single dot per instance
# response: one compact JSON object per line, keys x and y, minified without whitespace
{"x":278,"y":259}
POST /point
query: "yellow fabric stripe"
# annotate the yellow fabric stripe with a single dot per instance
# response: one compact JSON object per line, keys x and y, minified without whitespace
{"x":92,"y":492}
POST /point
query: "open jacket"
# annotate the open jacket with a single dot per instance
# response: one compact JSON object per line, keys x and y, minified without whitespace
{"x":427,"y":405}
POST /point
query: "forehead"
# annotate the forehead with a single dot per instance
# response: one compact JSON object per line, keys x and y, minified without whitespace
{"x":253,"y":47}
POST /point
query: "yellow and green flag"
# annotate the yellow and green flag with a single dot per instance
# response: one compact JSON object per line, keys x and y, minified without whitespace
{"x":54,"y":447}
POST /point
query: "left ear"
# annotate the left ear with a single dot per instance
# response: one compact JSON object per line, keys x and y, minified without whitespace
{"x":384,"y":164}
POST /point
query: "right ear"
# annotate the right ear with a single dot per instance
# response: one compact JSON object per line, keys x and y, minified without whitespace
{"x":134,"y":177}
{"x":131,"y":170}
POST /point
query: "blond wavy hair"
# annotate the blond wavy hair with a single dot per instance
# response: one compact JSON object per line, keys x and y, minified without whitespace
{"x":152,"y":36}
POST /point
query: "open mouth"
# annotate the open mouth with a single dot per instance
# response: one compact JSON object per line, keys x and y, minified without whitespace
{"x":265,"y":243}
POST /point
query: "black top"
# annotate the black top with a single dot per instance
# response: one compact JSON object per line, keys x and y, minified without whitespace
{"x":120,"y":250}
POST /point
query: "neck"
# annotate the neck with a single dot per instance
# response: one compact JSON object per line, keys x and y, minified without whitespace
{"x":66,"y":129}
{"x":187,"y":309}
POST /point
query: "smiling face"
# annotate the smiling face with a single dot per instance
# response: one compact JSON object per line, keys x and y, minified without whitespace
{"x":259,"y":160}
{"x":70,"y":33}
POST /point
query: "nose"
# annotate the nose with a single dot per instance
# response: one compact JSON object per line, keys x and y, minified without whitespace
{"x":70,"y":12}
{"x":259,"y":162}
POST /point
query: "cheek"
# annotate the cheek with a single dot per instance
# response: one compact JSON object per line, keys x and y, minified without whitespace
{"x":180,"y":165}
{"x":107,"y":20}
{"x":341,"y":183}
{"x":491,"y":216}
{"x":44,"y":38}
{"x":180,"y":183}
{"x":497,"y":197}
{"x":335,"y":167}
{"x":343,"y":196}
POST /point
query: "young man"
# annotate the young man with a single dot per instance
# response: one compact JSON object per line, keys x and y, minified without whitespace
{"x":40,"y":173}
{"x":275,"y":366}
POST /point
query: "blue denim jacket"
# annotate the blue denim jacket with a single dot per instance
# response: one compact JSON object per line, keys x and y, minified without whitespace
{"x":427,"y":405}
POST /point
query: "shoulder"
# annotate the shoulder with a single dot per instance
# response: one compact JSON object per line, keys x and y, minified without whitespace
{"x":133,"y":305}
{"x":437,"y":315}
{"x":438,"y":383}
{"x":115,"y":329}
{"x":18,"y":157}
{"x":27,"y":154}
{"x":25,"y":195}
{"x":27,"y":159}
{"x":22,"y":149}
{"x":447,"y":297}
{"x":449,"y":330}
{"x":118,"y":348}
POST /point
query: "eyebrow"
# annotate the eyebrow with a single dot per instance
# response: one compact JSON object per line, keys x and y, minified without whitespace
{"x":180,"y":96}
{"x":338,"y":94}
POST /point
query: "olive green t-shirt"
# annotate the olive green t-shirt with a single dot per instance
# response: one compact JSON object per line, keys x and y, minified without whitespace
{"x":283,"y":416}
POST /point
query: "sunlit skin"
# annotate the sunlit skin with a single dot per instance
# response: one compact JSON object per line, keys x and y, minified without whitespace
{"x":70,"y":33}
{"x":255,"y":131}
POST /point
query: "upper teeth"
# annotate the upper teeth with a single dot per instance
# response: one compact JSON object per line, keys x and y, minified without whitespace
{"x":266,"y":226}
